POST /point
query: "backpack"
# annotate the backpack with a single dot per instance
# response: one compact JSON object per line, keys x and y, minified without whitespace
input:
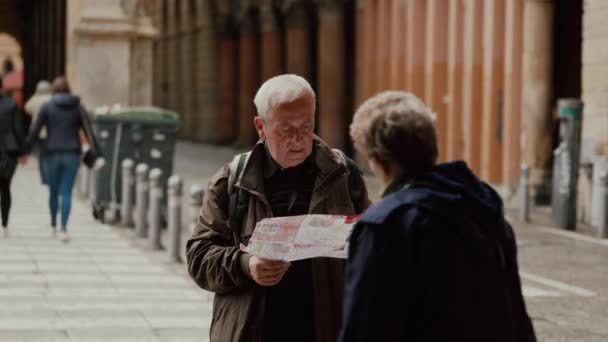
{"x":239,"y":198}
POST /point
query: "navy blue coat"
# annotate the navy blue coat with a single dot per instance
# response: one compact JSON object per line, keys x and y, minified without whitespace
{"x":63,"y":121}
{"x":435,"y":261}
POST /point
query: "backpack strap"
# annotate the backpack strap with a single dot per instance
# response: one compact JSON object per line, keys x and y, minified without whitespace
{"x":238,"y":198}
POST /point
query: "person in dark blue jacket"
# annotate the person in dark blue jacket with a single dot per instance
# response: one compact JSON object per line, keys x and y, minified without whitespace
{"x":63,"y":120}
{"x":12,"y":137}
{"x":434,"y":259}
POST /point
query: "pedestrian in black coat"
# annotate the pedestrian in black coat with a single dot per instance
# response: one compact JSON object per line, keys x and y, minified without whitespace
{"x":12,"y":137}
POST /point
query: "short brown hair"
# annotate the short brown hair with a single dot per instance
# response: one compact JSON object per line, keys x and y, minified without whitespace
{"x":60,"y":85}
{"x":396,"y":126}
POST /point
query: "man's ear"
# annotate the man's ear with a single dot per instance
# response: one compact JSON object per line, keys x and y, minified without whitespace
{"x":258,"y":122}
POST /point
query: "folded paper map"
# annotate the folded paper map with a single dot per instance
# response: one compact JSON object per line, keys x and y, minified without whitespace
{"x":301,"y":237}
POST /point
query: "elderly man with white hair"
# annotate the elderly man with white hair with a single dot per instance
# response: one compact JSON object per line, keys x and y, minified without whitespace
{"x":289,"y":172}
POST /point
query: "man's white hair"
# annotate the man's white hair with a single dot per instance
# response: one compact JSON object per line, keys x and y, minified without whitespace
{"x":281,"y":89}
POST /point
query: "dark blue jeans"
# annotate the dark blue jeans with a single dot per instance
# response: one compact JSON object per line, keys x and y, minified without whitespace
{"x":61,"y":171}
{"x":42,"y":162}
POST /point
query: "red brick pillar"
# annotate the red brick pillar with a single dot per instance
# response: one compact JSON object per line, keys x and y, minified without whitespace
{"x":383,"y":37}
{"x":436,"y":67}
{"x":513,"y":90}
{"x":415,"y":40}
{"x":331,"y":124}
{"x":249,"y":80}
{"x":493,"y":72}
{"x":298,"y":40}
{"x":455,"y":62}
{"x":227,"y":79}
{"x":472,"y":82}
{"x":361,"y":83}
{"x":271,"y":42}
{"x":538,"y":50}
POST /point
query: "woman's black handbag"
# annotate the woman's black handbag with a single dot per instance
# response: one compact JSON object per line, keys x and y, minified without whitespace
{"x":90,"y":156}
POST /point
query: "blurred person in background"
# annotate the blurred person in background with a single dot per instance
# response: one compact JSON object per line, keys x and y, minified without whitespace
{"x":63,"y":119}
{"x":32,"y":107}
{"x":12,"y":137}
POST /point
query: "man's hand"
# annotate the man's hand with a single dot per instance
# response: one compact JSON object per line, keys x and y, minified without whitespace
{"x":267,"y":272}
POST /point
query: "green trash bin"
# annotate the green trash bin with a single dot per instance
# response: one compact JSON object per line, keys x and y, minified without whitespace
{"x":143,"y":134}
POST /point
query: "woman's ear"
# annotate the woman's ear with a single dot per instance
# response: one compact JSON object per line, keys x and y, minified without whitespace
{"x":385,"y":171}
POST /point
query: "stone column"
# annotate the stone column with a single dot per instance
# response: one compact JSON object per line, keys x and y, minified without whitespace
{"x":160,"y":55}
{"x":416,"y":40}
{"x":228,"y":72}
{"x":74,"y":10}
{"x":436,"y":66}
{"x":187,"y":68}
{"x":271,"y":42}
{"x":455,"y":59}
{"x":537,"y":92}
{"x":594,"y":80}
{"x":51,"y":30}
{"x":511,"y":147}
{"x":331,"y":73}
{"x":249,"y":78}
{"x":103,"y":52}
{"x":472,"y":82}
{"x":493,"y":64}
{"x":298,"y":38}
{"x":207,"y":76}
{"x":142,"y":62}
{"x":173,"y":58}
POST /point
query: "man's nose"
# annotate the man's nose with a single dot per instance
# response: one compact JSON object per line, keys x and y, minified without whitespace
{"x":297,"y":136}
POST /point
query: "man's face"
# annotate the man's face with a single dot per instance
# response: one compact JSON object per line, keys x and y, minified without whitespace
{"x":288,"y":131}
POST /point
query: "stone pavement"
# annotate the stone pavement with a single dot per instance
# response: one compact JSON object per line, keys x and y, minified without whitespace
{"x":101,"y":286}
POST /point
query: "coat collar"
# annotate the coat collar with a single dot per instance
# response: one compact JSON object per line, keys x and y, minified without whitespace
{"x":325,"y":159}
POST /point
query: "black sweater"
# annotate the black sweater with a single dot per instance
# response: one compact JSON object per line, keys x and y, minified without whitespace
{"x":12,"y":131}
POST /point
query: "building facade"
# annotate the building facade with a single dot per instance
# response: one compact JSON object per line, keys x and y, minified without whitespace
{"x":492,"y":70}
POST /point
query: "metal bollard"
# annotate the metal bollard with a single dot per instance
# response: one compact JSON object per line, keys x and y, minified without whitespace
{"x":85,"y":181}
{"x":196,"y":201}
{"x":141,"y":200}
{"x":126,"y":210}
{"x":175,"y":218}
{"x":603,"y":226}
{"x":524,"y":193}
{"x":154,"y":212}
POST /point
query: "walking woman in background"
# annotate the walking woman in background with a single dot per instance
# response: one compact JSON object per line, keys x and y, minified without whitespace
{"x":32,"y":107}
{"x":12,"y":137}
{"x":62,"y":118}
